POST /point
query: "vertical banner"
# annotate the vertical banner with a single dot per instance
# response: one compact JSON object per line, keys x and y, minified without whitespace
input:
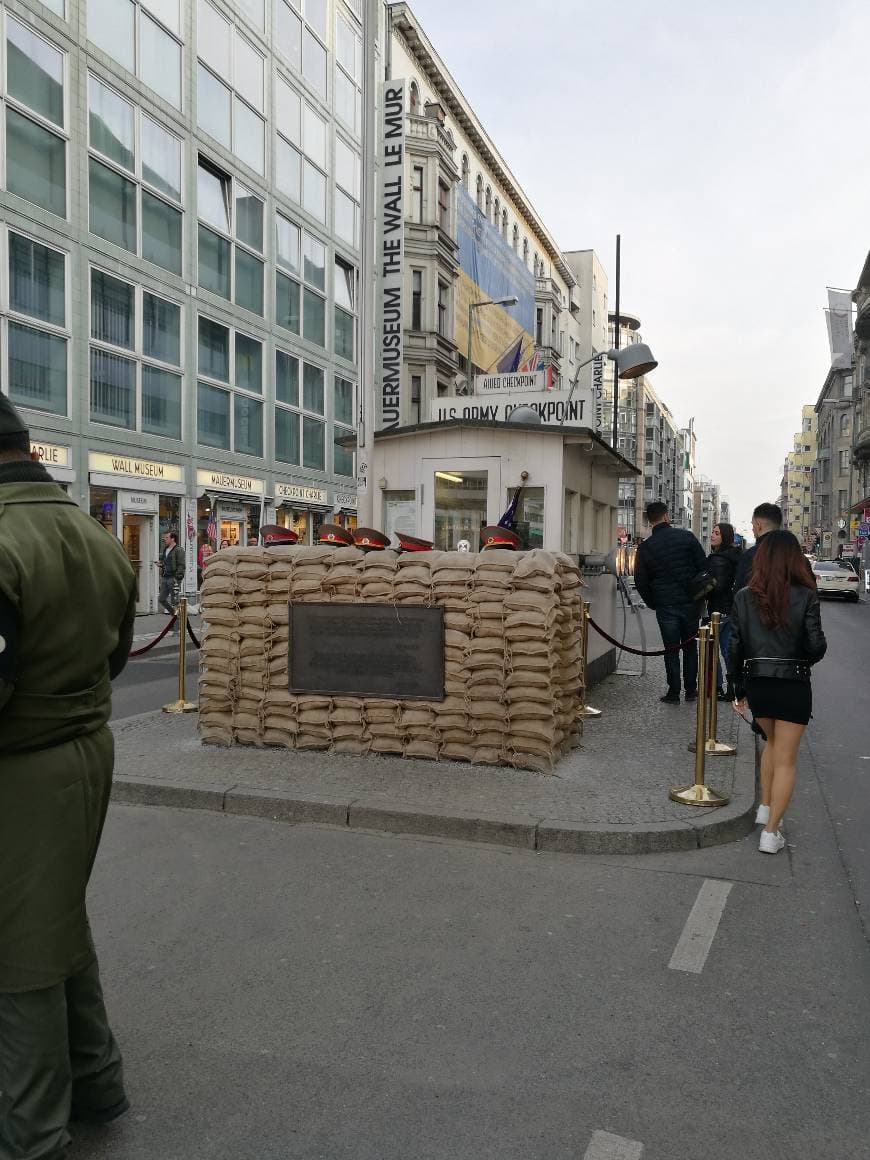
{"x":598,"y":393}
{"x":391,"y":213}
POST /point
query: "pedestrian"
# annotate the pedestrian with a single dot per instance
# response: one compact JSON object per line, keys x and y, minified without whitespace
{"x":58,"y":1058}
{"x":776,"y":635}
{"x":766,"y":518}
{"x":722,"y":566}
{"x":171,"y":572}
{"x":666,"y":564}
{"x":223,"y":544}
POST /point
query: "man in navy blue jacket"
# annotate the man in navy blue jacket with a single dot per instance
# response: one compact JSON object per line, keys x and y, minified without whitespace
{"x":666,"y":562}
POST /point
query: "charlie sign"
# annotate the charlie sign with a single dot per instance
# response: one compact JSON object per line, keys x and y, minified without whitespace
{"x":392,"y":250}
{"x":553,"y":407}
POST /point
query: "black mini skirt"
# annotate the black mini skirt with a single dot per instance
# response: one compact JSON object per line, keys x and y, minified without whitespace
{"x":782,"y":700}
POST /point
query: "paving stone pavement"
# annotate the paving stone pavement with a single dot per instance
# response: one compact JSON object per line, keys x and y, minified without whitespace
{"x":610,"y":795}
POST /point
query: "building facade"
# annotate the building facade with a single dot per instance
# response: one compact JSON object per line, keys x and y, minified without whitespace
{"x":180,"y":234}
{"x":796,"y":496}
{"x":706,"y":510}
{"x":832,"y":476}
{"x":860,"y":514}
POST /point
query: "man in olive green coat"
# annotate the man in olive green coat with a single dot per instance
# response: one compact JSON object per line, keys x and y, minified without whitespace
{"x":67,"y":604}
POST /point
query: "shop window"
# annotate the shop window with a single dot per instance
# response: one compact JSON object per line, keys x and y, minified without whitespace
{"x":135,"y":357}
{"x":36,"y":121}
{"x":134,"y":195}
{"x":129,"y":33}
{"x":230,"y":389}
{"x":230,"y":87}
{"x":230,"y":238}
{"x":37,"y":328}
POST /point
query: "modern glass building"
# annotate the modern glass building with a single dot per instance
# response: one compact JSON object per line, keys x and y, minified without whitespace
{"x":179,"y":251}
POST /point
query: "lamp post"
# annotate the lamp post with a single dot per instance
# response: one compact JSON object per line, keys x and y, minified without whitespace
{"x":631,"y":363}
{"x":472,"y":306}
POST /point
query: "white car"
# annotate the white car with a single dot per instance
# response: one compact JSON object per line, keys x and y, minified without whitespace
{"x":836,"y":578}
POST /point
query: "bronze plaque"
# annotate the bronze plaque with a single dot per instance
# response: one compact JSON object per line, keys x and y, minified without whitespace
{"x":367,"y":650}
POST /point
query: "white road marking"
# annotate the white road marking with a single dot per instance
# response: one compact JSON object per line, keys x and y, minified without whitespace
{"x":701,"y":926}
{"x":606,"y":1146}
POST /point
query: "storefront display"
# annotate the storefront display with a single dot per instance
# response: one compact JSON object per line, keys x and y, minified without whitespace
{"x":103,"y":505}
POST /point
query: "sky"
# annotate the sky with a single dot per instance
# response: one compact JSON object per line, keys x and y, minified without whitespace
{"x":727,"y":145}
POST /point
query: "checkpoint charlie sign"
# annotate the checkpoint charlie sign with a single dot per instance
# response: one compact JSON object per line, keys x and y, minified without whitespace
{"x":553,"y":407}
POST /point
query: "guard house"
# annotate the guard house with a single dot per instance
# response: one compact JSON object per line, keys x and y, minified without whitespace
{"x":444,"y":481}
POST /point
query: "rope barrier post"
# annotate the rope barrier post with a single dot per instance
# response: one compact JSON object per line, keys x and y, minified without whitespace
{"x":712,"y":746}
{"x":181,"y":705}
{"x":586,"y":711}
{"x":699,"y":794}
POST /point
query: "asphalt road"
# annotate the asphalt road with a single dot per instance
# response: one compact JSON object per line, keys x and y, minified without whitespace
{"x":149,"y":682}
{"x":284,"y":992}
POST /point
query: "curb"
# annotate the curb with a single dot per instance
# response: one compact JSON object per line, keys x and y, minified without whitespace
{"x":520,"y":831}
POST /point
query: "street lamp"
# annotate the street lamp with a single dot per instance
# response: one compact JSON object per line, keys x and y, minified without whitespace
{"x":631,"y":362}
{"x":472,"y":306}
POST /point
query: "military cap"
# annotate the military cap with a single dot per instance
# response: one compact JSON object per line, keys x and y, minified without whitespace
{"x":275,"y":534}
{"x":14,"y":435}
{"x":413,"y":543}
{"x":334,"y":534}
{"x":370,"y":539}
{"x":497,"y":537}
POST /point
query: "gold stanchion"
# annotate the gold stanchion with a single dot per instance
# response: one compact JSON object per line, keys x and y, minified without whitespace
{"x":586,"y":711}
{"x":181,"y":705}
{"x":698,"y":794}
{"x":712,"y":746}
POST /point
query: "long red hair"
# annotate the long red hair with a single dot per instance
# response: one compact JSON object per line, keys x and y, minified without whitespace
{"x":779,"y":564}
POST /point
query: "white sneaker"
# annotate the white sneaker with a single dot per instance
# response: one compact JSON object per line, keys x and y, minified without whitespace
{"x":770,"y":843}
{"x":762,"y":816}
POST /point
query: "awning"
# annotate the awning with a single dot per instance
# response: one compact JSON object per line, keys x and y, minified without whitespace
{"x":861,"y":505}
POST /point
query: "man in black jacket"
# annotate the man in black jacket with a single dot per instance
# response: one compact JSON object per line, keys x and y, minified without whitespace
{"x":664,"y":566}
{"x":766,"y":518}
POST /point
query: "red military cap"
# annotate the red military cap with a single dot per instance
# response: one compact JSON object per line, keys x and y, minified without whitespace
{"x":413,"y":543}
{"x":496,"y":537}
{"x":334,"y":534}
{"x":275,"y":534}
{"x":371,"y":539}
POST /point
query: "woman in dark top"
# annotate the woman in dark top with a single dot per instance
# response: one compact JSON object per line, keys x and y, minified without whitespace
{"x":776,"y":634}
{"x":722,"y":565}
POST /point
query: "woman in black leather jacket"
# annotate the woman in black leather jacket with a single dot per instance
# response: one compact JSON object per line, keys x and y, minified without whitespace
{"x":776,"y":635}
{"x":722,"y":566}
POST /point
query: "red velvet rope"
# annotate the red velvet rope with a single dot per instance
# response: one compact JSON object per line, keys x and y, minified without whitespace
{"x":157,"y":639}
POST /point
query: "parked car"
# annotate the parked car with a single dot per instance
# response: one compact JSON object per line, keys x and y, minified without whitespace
{"x":836,"y":578}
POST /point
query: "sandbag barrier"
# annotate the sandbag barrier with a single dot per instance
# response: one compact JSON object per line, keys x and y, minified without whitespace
{"x":513,"y":672}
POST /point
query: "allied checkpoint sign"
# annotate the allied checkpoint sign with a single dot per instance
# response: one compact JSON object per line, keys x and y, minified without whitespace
{"x":367,"y":650}
{"x":489,"y":268}
{"x":553,"y":407}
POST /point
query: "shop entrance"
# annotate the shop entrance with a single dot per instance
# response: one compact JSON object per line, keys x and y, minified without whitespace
{"x":136,"y":537}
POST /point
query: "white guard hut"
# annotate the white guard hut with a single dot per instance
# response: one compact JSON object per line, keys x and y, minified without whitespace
{"x":444,"y":481}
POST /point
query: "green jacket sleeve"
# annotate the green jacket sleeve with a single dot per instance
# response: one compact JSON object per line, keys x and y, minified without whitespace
{"x":118,"y":659}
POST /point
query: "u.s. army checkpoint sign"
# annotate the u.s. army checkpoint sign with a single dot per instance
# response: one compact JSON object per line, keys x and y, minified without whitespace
{"x":552,"y":406}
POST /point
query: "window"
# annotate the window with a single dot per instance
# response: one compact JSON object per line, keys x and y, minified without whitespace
{"x":37,"y":326}
{"x":134,"y":190}
{"x":35,"y":118}
{"x":314,"y":62}
{"x":347,"y":192}
{"x":230,"y":87}
{"x":539,"y":326}
{"x":845,"y":460}
{"x":465,"y":174}
{"x":301,"y":151}
{"x":344,"y":324}
{"x":496,"y":214}
{"x":300,"y":307}
{"x":516,"y":239}
{"x":845,"y":424}
{"x":230,"y":239}
{"x":479,"y":192}
{"x":416,"y":394}
{"x":414,"y":99}
{"x":230,"y":389}
{"x":347,"y":97}
{"x":129,"y":33}
{"x":342,"y":412}
{"x":443,"y":296}
{"x":444,"y":206}
{"x":417,"y":194}
{"x":526,"y":251}
{"x":504,"y":224}
{"x":488,"y":204}
{"x":135,"y":357}
{"x":300,"y":432}
{"x":416,"y":299}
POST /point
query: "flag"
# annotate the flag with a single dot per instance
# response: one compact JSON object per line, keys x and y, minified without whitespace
{"x":211,"y":530}
{"x":509,"y":517}
{"x":510,"y":360}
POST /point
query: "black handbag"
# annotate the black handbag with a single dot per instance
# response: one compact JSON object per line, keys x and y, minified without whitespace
{"x":701,"y":585}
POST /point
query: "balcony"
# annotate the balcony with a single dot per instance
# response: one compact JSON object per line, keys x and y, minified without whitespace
{"x":861,"y":446}
{"x":547,"y":289}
